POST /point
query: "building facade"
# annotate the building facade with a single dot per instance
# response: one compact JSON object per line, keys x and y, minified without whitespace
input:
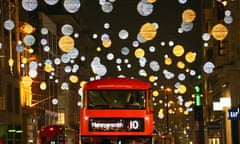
{"x":221,"y":87}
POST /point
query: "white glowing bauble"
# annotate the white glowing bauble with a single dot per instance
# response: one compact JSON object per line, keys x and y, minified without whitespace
{"x":107,"y":7}
{"x":46,"y":48}
{"x":228,"y":19}
{"x":54,"y":101}
{"x":227,"y":13}
{"x":142,"y":61}
{"x":33,"y":65}
{"x":101,"y":70}
{"x":65,"y":58}
{"x":106,"y":25}
{"x":29,"y":40}
{"x":71,"y":6}
{"x":144,"y":8}
{"x":105,"y":37}
{"x":48,"y":62}
{"x":125,"y":51}
{"x":67,"y":29}
{"x":206,"y":36}
{"x":135,"y":43}
{"x":67,"y":68}
{"x":154,"y":65}
{"x":187,"y":26}
{"x":182,"y":1}
{"x":208,"y":67}
{"x":32,"y":73}
{"x":57,"y":61}
{"x":110,"y":56}
{"x":43,"y":41}
{"x":64,"y":86}
{"x":123,"y":34}
{"x":142,"y":72}
{"x":152,"y":49}
{"x":44,"y":31}
{"x":73,"y":54}
{"x":9,"y":24}
{"x":181,"y":76}
{"x":51,"y":2}
{"x":29,"y":5}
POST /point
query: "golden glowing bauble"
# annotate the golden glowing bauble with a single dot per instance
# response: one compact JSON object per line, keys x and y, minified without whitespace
{"x":48,"y":68}
{"x":30,"y":50}
{"x":188,"y":15}
{"x":168,"y":61}
{"x":82,"y":83}
{"x":219,"y":32}
{"x":98,"y":49}
{"x":151,"y":1}
{"x":178,"y":50}
{"x":139,"y":52}
{"x":24,"y":60}
{"x":182,"y":89}
{"x":155,"y":93}
{"x":152,"y":78}
{"x":190,"y":57}
{"x":180,"y":65}
{"x":73,"y":78}
{"x":43,"y":85}
{"x":107,"y":43}
{"x":27,"y":28}
{"x":10,"y":62}
{"x":66,"y":43}
{"x":148,"y":31}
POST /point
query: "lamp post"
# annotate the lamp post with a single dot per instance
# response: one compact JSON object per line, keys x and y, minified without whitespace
{"x":167,"y":91}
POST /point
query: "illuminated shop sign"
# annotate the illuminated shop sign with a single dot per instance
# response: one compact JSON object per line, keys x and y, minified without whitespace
{"x":234,"y":114}
{"x":116,"y":124}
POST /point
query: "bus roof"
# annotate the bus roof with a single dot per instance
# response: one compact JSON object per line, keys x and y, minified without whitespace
{"x":117,"y":83}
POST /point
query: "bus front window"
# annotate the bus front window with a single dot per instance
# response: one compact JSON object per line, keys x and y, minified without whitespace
{"x":116,"y":99}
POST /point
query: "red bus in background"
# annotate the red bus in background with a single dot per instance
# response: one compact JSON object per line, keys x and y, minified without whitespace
{"x":116,"y":111}
{"x":57,"y":134}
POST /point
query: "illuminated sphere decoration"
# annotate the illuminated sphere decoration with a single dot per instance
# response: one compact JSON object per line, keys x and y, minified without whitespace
{"x":139,"y":52}
{"x":43,"y":85}
{"x":178,"y":50}
{"x":188,"y":15}
{"x":148,"y":31}
{"x":66,"y":43}
{"x":219,"y":32}
{"x":190,"y":57}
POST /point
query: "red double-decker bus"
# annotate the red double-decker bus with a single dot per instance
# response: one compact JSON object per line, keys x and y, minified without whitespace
{"x":116,"y":111}
{"x":57,"y":134}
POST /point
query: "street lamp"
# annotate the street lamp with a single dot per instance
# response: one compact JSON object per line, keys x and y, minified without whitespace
{"x":167,"y":92}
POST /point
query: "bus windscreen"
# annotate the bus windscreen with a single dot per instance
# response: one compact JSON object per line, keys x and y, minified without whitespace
{"x":116,"y":99}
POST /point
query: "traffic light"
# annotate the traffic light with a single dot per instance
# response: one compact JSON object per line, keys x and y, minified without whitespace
{"x":198,"y":95}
